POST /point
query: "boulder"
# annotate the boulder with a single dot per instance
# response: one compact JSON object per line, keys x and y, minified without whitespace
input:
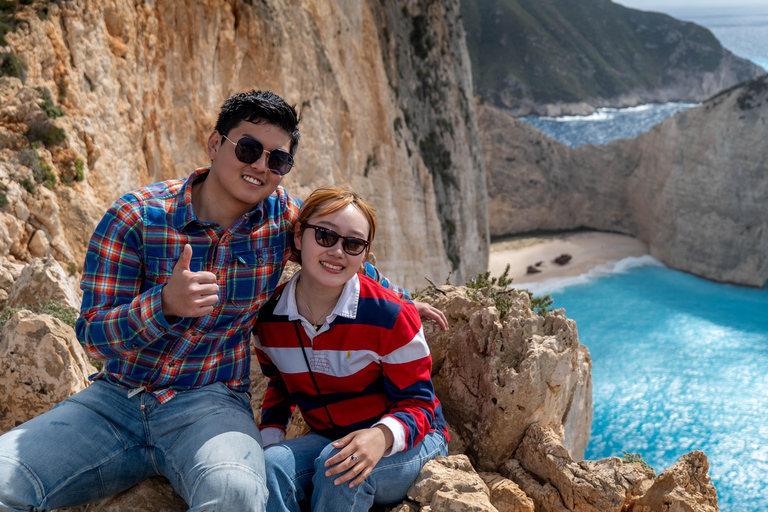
{"x":41,"y":281}
{"x":43,"y":364}
{"x":606,"y":485}
{"x":450,"y":484}
{"x":683,"y":487}
{"x":496,"y":376}
{"x":544,"y":495}
{"x":506,"y":495}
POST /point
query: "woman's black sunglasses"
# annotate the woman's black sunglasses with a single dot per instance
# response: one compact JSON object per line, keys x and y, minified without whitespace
{"x":248,"y":150}
{"x":328,"y":238}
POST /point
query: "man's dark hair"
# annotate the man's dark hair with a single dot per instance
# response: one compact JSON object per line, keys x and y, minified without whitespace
{"x":259,"y":107}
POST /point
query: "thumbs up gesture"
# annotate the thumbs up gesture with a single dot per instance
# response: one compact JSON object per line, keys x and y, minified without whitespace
{"x":187,"y":293}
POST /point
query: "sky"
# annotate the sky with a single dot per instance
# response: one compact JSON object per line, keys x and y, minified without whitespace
{"x":663,"y":6}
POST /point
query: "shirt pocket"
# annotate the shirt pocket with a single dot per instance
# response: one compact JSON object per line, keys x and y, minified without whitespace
{"x":254,"y":274}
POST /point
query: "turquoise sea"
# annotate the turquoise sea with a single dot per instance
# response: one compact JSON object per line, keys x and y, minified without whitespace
{"x":679,"y":364}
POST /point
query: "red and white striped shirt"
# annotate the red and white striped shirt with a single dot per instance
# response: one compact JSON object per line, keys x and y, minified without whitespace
{"x":370,"y":361}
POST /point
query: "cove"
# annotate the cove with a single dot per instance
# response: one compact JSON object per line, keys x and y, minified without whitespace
{"x":679,"y":364}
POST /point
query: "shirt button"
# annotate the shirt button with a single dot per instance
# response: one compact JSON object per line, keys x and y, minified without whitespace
{"x":261,"y":260}
{"x":171,"y":364}
{"x":134,"y":345}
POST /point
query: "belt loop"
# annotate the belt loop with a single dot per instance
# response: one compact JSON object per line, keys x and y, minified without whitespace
{"x":136,"y":391}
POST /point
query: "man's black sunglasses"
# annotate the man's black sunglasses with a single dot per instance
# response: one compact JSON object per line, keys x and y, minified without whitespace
{"x":248,"y":150}
{"x":328,"y":238}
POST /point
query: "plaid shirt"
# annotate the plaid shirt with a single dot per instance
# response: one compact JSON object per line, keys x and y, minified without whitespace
{"x":132,"y":254}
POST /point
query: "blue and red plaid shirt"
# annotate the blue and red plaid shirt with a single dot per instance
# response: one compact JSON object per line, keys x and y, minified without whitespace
{"x":131,"y":256}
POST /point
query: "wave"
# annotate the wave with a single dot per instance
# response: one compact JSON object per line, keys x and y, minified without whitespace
{"x":609,"y":113}
{"x":558,"y":284}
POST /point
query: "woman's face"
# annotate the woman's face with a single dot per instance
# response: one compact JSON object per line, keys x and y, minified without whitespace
{"x":332,"y":267}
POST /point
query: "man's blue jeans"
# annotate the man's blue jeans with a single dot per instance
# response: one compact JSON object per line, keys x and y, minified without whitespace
{"x":100,"y":442}
{"x":296,"y":471}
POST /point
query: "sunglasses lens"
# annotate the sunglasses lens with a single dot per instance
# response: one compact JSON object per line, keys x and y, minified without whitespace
{"x":280,"y":162}
{"x":354,"y":246}
{"x":248,"y":150}
{"x":326,"y":237}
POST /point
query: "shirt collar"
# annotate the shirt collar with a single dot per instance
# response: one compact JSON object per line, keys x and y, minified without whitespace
{"x":185,"y":213}
{"x":345,"y":307}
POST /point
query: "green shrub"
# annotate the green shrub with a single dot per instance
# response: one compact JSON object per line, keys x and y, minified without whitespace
{"x":48,"y":106}
{"x":46,"y":176}
{"x":79,"y":169}
{"x":3,"y":199}
{"x":42,"y":172}
{"x":28,"y":184}
{"x":47,"y":133}
{"x":66,"y":314}
{"x":10,"y":64}
{"x":630,"y":458}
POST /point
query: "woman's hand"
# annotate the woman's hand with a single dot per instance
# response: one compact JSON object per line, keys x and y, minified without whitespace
{"x":432,"y":313}
{"x":360,"y":452}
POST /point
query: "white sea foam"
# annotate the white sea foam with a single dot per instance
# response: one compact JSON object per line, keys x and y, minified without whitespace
{"x":602,"y":114}
{"x":557,"y":284}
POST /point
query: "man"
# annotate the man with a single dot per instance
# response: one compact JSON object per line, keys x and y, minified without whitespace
{"x":173,"y":280}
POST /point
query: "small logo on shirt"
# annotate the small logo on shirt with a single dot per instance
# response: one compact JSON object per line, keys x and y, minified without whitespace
{"x":320,"y":364}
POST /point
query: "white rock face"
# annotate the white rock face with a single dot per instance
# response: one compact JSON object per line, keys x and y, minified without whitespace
{"x":384,"y":90}
{"x":694,"y":188}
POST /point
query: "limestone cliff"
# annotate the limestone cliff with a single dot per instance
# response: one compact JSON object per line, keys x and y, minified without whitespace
{"x":384,"y":89}
{"x":694,"y":188}
{"x":565,"y":56}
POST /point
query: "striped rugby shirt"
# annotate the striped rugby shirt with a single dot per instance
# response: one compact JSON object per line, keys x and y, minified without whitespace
{"x":130,"y":257}
{"x":370,"y":360}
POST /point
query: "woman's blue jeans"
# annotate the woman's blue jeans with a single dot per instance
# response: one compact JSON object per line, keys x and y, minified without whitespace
{"x":296,"y":475}
{"x":100,"y":442}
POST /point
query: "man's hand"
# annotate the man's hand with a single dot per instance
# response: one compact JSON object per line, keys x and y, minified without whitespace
{"x":432,"y":313}
{"x":189,"y":294}
{"x":360,"y":452}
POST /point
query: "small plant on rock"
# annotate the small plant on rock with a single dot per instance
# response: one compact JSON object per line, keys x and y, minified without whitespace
{"x":630,"y":458}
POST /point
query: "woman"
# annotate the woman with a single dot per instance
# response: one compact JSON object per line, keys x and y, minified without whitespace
{"x":353,"y":357}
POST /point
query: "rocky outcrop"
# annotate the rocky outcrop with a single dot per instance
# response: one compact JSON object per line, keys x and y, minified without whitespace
{"x":42,"y":281}
{"x":497,"y":375}
{"x":694,"y":188}
{"x":606,"y":485}
{"x":563,"y":57}
{"x":43,"y":364}
{"x":506,"y":496}
{"x":683,"y":487}
{"x":384,"y":90}
{"x":450,"y":484}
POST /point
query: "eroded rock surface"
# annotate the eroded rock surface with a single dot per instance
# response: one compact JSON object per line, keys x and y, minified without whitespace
{"x":495,"y":376}
{"x":605,"y":485}
{"x":43,"y":364}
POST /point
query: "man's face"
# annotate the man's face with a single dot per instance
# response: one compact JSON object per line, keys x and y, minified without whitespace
{"x":239,"y":184}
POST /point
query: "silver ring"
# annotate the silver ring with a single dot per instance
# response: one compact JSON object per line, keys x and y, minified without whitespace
{"x":354,"y":458}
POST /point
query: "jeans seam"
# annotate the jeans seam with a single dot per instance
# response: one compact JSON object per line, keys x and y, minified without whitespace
{"x":223,"y":465}
{"x":39,"y":489}
{"x":111,"y":426}
{"x":426,"y":458}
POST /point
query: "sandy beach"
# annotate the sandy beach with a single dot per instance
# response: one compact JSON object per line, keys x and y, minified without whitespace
{"x":588,"y":249}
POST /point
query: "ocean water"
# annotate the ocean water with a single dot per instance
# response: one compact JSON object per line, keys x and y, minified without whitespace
{"x":679,"y":364}
{"x":607,"y":124}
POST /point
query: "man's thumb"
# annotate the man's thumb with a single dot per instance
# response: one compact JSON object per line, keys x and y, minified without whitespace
{"x":184,"y":259}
